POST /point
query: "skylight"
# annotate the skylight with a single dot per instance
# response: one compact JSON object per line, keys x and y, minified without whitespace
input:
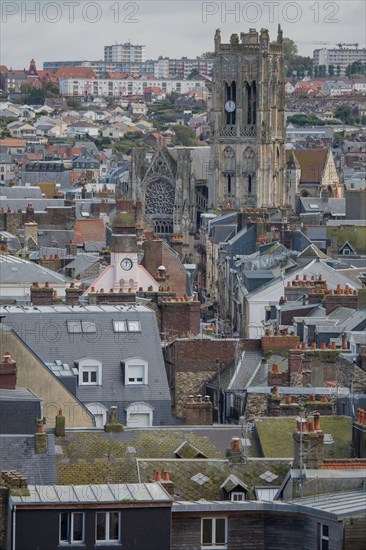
{"x":119,"y":326}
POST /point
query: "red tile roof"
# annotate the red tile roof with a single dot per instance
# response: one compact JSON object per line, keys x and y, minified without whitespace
{"x":13,"y":142}
{"x":87,"y":231}
{"x":75,"y":72}
{"x":344,"y":464}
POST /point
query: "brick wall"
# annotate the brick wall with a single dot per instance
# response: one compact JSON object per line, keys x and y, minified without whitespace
{"x":279,"y":343}
{"x":158,"y":253}
{"x":343,"y":300}
{"x":190,"y":364}
{"x":180,"y":319}
{"x":198,"y":411}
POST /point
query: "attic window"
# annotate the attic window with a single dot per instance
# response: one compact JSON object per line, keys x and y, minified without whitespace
{"x":134,"y":326}
{"x":313,"y":206}
{"x":119,"y":326}
{"x":88,"y":326}
{"x":237,"y":495}
{"x":74,"y":327}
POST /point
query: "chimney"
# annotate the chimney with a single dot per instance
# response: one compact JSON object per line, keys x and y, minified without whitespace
{"x":8,"y":373}
{"x":41,"y":296}
{"x":60,"y":425}
{"x":198,"y":411}
{"x":71,"y":249}
{"x":13,"y":479}
{"x":31,"y":230}
{"x":72,"y":295}
{"x":112,"y":423}
{"x":308,"y":443}
{"x":40,"y":437}
{"x":235,"y":452}
{"x":166,"y":482}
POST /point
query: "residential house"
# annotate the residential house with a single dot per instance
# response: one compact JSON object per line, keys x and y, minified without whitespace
{"x":82,"y":128}
{"x":92,"y":516}
{"x":106,"y":356}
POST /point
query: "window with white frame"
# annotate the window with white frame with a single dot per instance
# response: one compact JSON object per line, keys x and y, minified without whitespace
{"x":323,"y":536}
{"x":71,"y":527}
{"x":136,"y":371}
{"x":214,"y":533}
{"x":90,"y":372}
{"x":107,"y":527}
{"x":119,"y":326}
{"x":134,"y":326}
{"x":237,"y":495}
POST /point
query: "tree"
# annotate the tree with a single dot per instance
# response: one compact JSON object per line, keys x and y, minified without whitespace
{"x":290,"y":51}
{"x":331,"y":70}
{"x":184,"y":136}
{"x":344,"y":113}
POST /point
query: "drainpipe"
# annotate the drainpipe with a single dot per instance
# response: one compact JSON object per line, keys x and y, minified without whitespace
{"x":13,"y":513}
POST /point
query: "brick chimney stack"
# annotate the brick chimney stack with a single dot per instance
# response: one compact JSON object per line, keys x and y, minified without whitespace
{"x":8,"y":373}
{"x":308,"y":443}
{"x":41,"y":296}
{"x":198,"y":411}
{"x":72,"y":295}
{"x":31,"y":230}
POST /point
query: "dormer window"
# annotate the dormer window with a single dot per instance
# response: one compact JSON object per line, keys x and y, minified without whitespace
{"x":136,"y":372}
{"x":90,"y":372}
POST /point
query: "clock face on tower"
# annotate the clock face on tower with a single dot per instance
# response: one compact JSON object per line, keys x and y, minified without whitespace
{"x":230,"y":106}
{"x":126,"y":264}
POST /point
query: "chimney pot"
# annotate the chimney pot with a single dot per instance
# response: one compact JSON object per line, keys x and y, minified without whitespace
{"x":317,"y":422}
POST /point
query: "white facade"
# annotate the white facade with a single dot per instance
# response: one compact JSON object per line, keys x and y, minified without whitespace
{"x":129,"y":53}
{"x":129,"y":86}
{"x":341,"y":57}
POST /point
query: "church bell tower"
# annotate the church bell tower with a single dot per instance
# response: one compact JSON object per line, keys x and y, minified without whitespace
{"x":247,"y":160}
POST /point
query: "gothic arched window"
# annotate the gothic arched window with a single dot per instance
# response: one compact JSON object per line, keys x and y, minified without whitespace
{"x":230,"y":96}
{"x":159,"y":204}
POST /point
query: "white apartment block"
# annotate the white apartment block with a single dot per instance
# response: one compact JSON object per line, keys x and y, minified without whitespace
{"x":99,"y":87}
{"x":340,"y":56}
{"x":125,"y":53}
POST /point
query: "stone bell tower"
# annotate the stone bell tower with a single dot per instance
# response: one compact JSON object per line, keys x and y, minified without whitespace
{"x":247,"y":162}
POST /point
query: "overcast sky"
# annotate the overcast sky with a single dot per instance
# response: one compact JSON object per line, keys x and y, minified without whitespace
{"x":79,"y":29}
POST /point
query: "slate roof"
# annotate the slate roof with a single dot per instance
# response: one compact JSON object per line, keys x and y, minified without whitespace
{"x":246,"y":370}
{"x":217,"y":472}
{"x":17,"y":452}
{"x":88,"y":494}
{"x":81,"y":262}
{"x":106,"y":346}
{"x":15,"y":270}
{"x":341,"y":503}
{"x":21,"y":192}
{"x":53,"y":237}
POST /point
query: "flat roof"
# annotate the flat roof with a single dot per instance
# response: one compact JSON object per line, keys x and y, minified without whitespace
{"x":89,"y":494}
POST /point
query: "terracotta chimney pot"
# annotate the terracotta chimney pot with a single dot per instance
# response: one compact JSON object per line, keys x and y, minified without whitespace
{"x":317,"y":427}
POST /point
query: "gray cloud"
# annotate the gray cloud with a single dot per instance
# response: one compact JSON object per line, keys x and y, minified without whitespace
{"x":169,"y":28}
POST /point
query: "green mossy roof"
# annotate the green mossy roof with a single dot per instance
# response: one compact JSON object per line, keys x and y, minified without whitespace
{"x":276,"y":436}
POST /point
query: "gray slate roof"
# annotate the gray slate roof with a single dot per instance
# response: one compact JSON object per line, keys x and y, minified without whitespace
{"x":45,"y":331}
{"x":17,"y":452}
{"x":89,"y":494}
{"x":16,"y":270}
{"x":246,"y":370}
